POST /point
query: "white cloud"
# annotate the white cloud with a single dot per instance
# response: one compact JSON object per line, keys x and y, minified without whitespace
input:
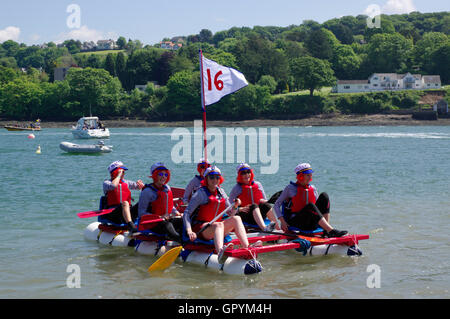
{"x":9,"y":33}
{"x":398,"y":7}
{"x":35,"y":37}
{"x":84,"y":34}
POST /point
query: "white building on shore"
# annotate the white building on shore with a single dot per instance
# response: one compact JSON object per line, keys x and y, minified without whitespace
{"x":389,"y":81}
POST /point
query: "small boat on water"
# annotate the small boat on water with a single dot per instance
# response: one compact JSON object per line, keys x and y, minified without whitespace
{"x":31,"y":127}
{"x":100,"y":147}
{"x":18,"y":128}
{"x":90,"y":127}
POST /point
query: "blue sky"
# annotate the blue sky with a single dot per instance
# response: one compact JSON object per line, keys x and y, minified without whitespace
{"x":39,"y":21}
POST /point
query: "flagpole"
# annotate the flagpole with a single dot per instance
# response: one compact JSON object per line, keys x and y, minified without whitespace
{"x":203,"y":104}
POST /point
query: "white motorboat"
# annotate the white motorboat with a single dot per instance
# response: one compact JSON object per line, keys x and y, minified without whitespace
{"x":89,"y":127}
{"x":85,"y":148}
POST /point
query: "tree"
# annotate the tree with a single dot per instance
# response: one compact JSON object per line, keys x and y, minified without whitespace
{"x":110,"y":64}
{"x":409,"y":32}
{"x":21,"y":99}
{"x":30,"y":57}
{"x":389,"y":53}
{"x":180,"y":63}
{"x":424,"y":49}
{"x":94,"y":61}
{"x":121,"y":65}
{"x":163,"y":71}
{"x":386,"y":26}
{"x":121,"y":43}
{"x":321,"y":43}
{"x":311,"y":24}
{"x":297,"y":34}
{"x":312,"y":73}
{"x":7,"y":74}
{"x":441,"y":57}
{"x":223,"y":58}
{"x":291,"y":50}
{"x":9,"y":62}
{"x":219,"y":37}
{"x":51,"y":56}
{"x":205,"y":35}
{"x":142,"y":66}
{"x":268,"y":81}
{"x":74,"y":46}
{"x":133,"y":45}
{"x":342,"y":32}
{"x":249,"y":102}
{"x":193,"y":38}
{"x":95,"y":90}
{"x":228,"y":44}
{"x":257,"y":56}
{"x":345,"y":62}
{"x":11,"y":47}
{"x":183,"y":96}
{"x":55,"y":100}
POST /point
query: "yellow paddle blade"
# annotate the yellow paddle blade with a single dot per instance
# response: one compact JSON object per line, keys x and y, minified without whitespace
{"x":166,"y":260}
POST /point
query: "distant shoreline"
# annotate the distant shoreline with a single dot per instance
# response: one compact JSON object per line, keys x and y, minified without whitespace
{"x":317,"y":120}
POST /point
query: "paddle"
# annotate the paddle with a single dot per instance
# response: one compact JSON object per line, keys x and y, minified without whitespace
{"x":319,"y":240}
{"x":148,"y":221}
{"x":169,"y":257}
{"x":95,"y":213}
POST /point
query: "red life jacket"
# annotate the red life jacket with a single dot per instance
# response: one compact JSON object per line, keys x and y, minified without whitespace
{"x":251,"y":194}
{"x":216,"y":204}
{"x":303,"y":197}
{"x":119,"y":195}
{"x":163,"y":204}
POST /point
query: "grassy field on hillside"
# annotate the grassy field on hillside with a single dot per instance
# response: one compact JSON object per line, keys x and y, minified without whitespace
{"x":322,"y":91}
{"x":105,"y":52}
{"x":326,"y":91}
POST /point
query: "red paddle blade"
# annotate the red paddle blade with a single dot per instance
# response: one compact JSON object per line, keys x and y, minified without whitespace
{"x":149,"y":221}
{"x":95,"y":213}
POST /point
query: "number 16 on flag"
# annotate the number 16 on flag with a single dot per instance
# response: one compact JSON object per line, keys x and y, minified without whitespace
{"x":218,"y":80}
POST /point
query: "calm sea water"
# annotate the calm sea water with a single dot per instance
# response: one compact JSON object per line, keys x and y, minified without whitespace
{"x":389,"y":182}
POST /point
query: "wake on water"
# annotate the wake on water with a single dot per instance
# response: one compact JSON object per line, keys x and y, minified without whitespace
{"x":429,"y":135}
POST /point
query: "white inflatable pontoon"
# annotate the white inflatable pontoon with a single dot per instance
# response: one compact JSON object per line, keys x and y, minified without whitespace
{"x":232,"y":265}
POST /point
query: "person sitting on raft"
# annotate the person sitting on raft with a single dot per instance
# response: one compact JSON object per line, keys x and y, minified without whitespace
{"x":206,"y":203}
{"x":254,"y":205}
{"x":118,"y":194}
{"x":156,"y":198}
{"x":195,"y":183}
{"x":305,"y":210}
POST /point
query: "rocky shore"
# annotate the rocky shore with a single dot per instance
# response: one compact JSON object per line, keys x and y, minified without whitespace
{"x":318,"y":120}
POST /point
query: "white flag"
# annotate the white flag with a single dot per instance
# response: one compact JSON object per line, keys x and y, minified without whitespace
{"x":219,"y":80}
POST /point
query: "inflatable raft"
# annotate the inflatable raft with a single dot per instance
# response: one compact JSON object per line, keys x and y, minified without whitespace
{"x":85,"y":148}
{"x":240,"y":261}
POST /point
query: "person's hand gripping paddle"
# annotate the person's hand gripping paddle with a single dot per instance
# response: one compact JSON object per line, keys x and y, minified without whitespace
{"x":170,"y":256}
